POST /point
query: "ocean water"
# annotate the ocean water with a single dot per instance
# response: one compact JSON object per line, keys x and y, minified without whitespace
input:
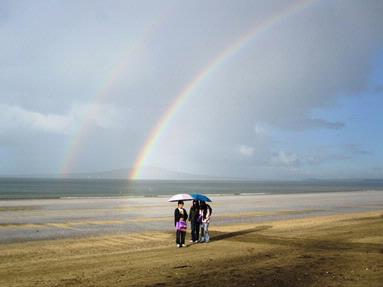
{"x":34,"y":188}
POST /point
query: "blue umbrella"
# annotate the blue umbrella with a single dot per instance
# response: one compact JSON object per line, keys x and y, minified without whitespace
{"x":200,"y":197}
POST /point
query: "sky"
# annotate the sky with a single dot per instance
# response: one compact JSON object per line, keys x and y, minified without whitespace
{"x":83,"y":85}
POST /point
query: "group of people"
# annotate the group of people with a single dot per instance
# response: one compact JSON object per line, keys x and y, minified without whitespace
{"x":199,"y":218}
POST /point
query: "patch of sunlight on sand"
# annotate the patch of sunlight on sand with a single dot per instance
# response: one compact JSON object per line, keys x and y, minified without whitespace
{"x":371,"y":239}
{"x":59,"y":225}
{"x":100,"y":222}
{"x":300,"y":223}
{"x":269,"y":213}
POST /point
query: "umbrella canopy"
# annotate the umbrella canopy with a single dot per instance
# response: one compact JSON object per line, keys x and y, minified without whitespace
{"x":200,"y":197}
{"x":180,"y":196}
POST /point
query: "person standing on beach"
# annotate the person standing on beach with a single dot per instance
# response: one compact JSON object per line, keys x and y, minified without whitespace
{"x":194,"y":222}
{"x":180,"y":217}
{"x":204,"y":215}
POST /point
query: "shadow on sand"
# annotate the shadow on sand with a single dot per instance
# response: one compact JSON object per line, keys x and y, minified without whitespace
{"x":221,"y":236}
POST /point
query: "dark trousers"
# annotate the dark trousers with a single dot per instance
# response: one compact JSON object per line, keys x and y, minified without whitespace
{"x":180,"y":237}
{"x":195,"y":230}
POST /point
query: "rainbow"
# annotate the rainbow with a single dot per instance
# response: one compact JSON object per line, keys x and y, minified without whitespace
{"x":84,"y":129}
{"x":180,"y":100}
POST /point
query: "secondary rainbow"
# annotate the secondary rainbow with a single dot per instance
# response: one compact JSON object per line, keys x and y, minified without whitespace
{"x":230,"y":51}
{"x":84,"y":129}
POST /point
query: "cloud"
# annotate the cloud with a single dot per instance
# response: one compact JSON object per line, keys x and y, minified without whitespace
{"x":285,"y":159}
{"x":246,"y":150}
{"x":16,"y":117}
{"x":302,"y":65}
{"x":99,"y":114}
{"x":355,"y":149}
{"x":260,"y":129}
{"x":309,"y":123}
{"x":264,"y":95}
{"x":13,"y":117}
{"x":318,"y":156}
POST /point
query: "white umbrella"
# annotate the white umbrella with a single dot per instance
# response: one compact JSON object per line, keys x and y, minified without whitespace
{"x":180,"y":196}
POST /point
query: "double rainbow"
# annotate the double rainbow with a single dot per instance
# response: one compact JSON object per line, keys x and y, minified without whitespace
{"x":84,"y":129}
{"x":158,"y":130}
{"x":212,"y":66}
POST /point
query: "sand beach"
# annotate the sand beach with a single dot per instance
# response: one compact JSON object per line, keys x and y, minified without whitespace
{"x":328,"y":239}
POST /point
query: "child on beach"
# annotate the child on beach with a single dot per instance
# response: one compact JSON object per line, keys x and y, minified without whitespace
{"x":180,"y":217}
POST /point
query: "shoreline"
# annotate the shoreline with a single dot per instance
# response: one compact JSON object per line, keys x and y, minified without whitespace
{"x":169,"y":195}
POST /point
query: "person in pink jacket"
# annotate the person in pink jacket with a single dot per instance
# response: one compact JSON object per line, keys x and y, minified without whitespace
{"x":180,"y":217}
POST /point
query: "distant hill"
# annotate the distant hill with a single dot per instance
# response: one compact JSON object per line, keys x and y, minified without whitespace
{"x":145,"y":173}
{"x":155,"y":173}
{"x":152,"y":173}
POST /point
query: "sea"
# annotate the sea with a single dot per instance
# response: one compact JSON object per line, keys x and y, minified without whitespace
{"x":55,"y":188}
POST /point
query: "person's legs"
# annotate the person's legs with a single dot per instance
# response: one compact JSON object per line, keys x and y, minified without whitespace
{"x":206,"y":232}
{"x":193,"y":231}
{"x":202,"y":232}
{"x":178,"y":237}
{"x":183,"y":234}
{"x":196,"y":237}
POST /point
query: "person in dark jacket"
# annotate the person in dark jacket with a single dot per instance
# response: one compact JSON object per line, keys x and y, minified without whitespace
{"x":194,"y":222}
{"x":180,"y":216}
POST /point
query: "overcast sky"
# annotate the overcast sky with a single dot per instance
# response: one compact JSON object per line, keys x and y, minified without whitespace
{"x":302,"y":99}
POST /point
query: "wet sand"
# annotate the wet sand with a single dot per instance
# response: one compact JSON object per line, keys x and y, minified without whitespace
{"x":331,"y":250}
{"x":26,"y":220}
